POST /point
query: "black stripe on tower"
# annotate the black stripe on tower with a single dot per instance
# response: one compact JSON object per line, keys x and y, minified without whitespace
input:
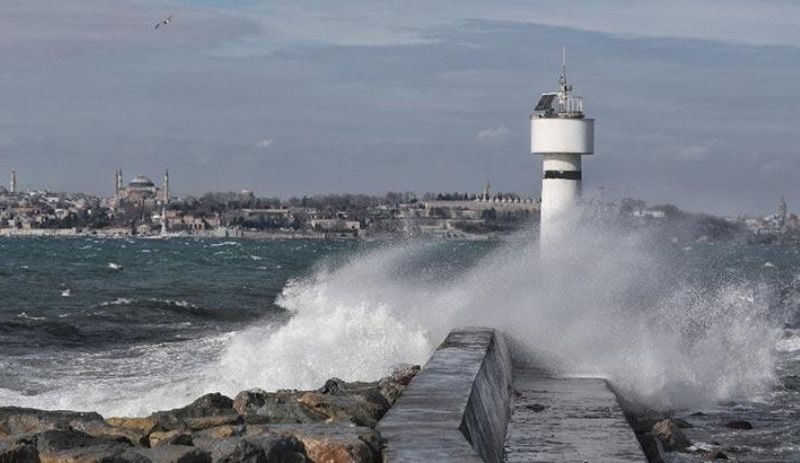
{"x":563,"y":174}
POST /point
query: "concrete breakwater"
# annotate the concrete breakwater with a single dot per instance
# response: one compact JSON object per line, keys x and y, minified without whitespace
{"x":470,"y":404}
{"x":457,"y":408}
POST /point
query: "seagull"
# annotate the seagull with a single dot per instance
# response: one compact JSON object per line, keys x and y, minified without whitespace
{"x":164,"y":22}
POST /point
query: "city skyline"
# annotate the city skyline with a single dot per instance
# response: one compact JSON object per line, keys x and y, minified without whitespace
{"x":291,"y":99}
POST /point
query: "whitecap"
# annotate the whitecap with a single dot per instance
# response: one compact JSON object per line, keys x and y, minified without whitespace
{"x":117,"y":301}
{"x":225,"y":243}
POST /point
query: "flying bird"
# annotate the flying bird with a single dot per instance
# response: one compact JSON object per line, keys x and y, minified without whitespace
{"x":164,"y":22}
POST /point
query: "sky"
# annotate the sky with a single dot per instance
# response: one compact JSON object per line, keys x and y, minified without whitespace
{"x":694,"y":101}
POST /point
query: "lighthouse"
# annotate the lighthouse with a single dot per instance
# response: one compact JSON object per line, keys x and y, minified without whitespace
{"x":561,"y":134}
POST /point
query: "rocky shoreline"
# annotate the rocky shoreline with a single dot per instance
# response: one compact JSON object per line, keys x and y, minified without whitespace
{"x":332,"y":424}
{"x":665,"y":437}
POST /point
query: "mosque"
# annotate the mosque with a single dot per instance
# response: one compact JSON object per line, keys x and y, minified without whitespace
{"x":140,"y":192}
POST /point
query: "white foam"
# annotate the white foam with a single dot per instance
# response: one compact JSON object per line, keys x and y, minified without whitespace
{"x":599,"y":305}
{"x":789,"y":343}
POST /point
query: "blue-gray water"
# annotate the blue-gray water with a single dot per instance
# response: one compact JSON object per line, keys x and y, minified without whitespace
{"x":695,"y":328}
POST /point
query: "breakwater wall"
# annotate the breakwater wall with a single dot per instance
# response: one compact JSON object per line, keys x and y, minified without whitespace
{"x":457,"y":408}
{"x":470,"y":404}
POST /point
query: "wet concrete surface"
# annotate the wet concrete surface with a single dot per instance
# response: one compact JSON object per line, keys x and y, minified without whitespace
{"x":567,"y":420}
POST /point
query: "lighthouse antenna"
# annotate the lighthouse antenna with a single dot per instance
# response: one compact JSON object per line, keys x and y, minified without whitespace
{"x":562,"y":81}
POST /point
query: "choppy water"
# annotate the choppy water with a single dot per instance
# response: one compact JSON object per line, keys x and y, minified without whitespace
{"x":708,"y":328}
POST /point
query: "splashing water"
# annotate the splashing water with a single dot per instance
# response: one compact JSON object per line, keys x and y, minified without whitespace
{"x":598,"y":304}
{"x":671,"y":326}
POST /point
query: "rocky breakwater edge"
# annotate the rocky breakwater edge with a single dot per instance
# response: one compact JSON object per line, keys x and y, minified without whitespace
{"x":334,"y":424}
{"x":666,"y":437}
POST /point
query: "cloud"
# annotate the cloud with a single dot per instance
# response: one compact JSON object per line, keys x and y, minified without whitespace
{"x":497,"y":133}
{"x":697,"y":152}
{"x":265,"y":143}
{"x":354,"y":22}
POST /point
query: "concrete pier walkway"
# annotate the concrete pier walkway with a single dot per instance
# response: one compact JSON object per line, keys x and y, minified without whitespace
{"x":468,"y":404}
{"x":567,"y":419}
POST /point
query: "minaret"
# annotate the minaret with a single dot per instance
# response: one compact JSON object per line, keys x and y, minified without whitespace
{"x":13,"y":184}
{"x":561,"y":134}
{"x":781,"y":214}
{"x":165,"y":186}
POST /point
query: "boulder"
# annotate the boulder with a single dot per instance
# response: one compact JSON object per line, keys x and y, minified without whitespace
{"x":16,"y":420}
{"x":174,"y":454}
{"x":393,"y":385}
{"x":57,"y":440}
{"x":208,"y":411}
{"x":362,"y":408}
{"x":257,"y":406}
{"x":174,"y":437}
{"x":738,"y":424}
{"x":219,"y":432}
{"x":143,"y":425}
{"x":117,"y":433}
{"x":714,"y":454}
{"x":18,"y":453}
{"x":329,"y":442}
{"x":668,"y":432}
{"x":116,"y":453}
{"x":683,"y":424}
{"x":256,"y":449}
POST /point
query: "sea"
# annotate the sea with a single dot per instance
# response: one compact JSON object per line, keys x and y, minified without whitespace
{"x":710,"y":332}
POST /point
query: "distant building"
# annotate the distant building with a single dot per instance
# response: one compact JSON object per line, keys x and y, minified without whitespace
{"x":246,"y":197}
{"x":13,"y":184}
{"x":653,"y":213}
{"x":140,"y":191}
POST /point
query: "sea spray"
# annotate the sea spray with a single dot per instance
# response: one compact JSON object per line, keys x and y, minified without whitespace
{"x":356,"y":321}
{"x":669,"y":324}
{"x":601,"y":303}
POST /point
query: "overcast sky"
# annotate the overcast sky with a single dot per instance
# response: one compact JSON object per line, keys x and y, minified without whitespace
{"x":695,"y":101}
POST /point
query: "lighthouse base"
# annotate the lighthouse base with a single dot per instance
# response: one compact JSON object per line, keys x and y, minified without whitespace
{"x":561,"y":191}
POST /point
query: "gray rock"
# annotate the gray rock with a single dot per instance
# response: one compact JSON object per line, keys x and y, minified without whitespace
{"x":261,"y":449}
{"x":738,"y":424}
{"x":208,"y":411}
{"x":257,"y":406}
{"x":16,"y":420}
{"x":56,"y":440}
{"x":219,"y":432}
{"x":683,"y":424}
{"x":116,"y":433}
{"x":393,"y":385}
{"x":329,"y":442}
{"x":363,"y":408}
{"x":174,"y":437}
{"x":714,"y":454}
{"x":668,"y":432}
{"x":106,"y":453}
{"x":174,"y":454}
{"x":18,"y":453}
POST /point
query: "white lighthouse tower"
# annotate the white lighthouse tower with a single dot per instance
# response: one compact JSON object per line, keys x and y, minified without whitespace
{"x":561,"y":134}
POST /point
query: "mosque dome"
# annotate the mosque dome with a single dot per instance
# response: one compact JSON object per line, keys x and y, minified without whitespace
{"x":141,"y":182}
